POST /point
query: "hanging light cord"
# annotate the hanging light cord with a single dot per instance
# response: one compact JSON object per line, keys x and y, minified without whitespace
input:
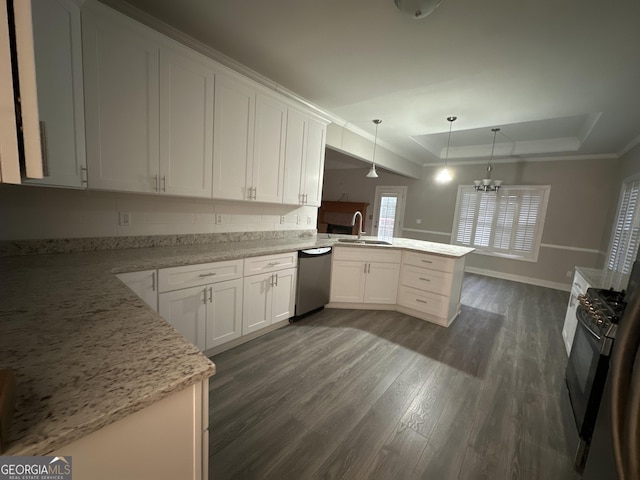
{"x":375,"y":141}
{"x":451,"y":120}
{"x":489,"y":165}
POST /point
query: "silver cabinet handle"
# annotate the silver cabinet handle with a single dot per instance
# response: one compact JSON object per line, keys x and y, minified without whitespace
{"x":164,"y":183}
{"x":272,"y":264}
{"x":153,"y":281}
{"x":210,"y":294}
{"x":207,"y":274}
{"x":369,"y":269}
{"x":271,"y":281}
{"x":84,"y":176}
{"x":425,"y":279}
{"x":255,"y":193}
{"x":426,"y":261}
{"x":420,"y":301}
{"x":155,"y":177}
{"x":301,"y":198}
{"x":43,"y":149}
{"x":276,"y":279}
{"x":204,"y":300}
{"x":306,"y":198}
{"x":365,"y":268}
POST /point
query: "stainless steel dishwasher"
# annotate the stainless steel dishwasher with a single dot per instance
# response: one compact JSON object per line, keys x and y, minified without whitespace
{"x":314,"y":278}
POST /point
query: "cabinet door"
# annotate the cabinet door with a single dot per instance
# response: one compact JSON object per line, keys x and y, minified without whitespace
{"x":294,"y":157}
{"x":232,"y":138}
{"x":268,"y":149}
{"x":381,"y":283}
{"x":256,"y":306}
{"x":10,"y":159}
{"x":284,"y":294}
{"x":120,"y":60}
{"x":58,"y":56}
{"x":224,"y":312}
{"x":186,"y":123}
{"x":347,"y":281}
{"x":314,"y":163}
{"x":144,"y":284}
{"x":186,"y":310}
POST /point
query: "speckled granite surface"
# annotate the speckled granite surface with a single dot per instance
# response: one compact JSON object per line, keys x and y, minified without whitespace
{"x":603,"y":278}
{"x":87,"y":351}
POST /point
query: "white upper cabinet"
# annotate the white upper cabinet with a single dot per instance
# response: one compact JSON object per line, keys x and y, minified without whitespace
{"x":58,"y":59}
{"x":186,"y":123}
{"x":121,"y":101}
{"x":9,"y":157}
{"x":267,"y":178}
{"x":235,"y":104}
{"x":304,"y":159}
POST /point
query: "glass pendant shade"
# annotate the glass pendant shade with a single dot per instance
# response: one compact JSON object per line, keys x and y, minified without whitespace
{"x":417,"y":8}
{"x":372,"y":172}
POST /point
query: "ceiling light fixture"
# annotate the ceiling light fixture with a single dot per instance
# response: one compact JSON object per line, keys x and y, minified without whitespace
{"x":444,"y":175}
{"x":486,"y":184}
{"x":417,"y":8}
{"x":372,"y":172}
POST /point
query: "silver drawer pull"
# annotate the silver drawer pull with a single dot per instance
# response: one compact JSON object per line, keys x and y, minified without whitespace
{"x":207,"y":274}
{"x":272,"y":264}
{"x":420,"y":301}
{"x":426,"y":261}
{"x":425,"y":279}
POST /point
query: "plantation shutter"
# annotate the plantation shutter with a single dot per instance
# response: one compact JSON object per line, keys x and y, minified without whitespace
{"x":507,"y":223}
{"x":624,"y":240}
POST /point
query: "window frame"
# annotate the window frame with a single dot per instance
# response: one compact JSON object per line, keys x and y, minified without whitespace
{"x":625,"y":271}
{"x":510,"y":253}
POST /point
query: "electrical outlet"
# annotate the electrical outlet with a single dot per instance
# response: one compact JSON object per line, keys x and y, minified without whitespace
{"x":124,"y":219}
{"x":282,"y":219}
{"x":569,"y":274}
{"x":418,"y":221}
{"x":219,"y":219}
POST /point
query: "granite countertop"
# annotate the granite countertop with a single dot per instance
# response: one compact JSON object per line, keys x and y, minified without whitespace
{"x":87,"y":351}
{"x":603,"y":278}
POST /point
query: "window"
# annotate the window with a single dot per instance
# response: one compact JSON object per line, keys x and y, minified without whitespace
{"x":624,"y":238}
{"x":507,"y":223}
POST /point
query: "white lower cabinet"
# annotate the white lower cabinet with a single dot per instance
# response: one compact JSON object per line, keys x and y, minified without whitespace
{"x":144,"y":284}
{"x":224,"y":313}
{"x":364,"y":275}
{"x":268,"y":298}
{"x":186,"y":310}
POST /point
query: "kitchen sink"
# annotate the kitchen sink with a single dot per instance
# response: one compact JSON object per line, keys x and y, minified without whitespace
{"x":364,"y":242}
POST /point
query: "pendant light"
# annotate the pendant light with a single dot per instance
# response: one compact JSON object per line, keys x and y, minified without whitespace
{"x":486,"y":184}
{"x":372,"y":172}
{"x":444,"y":175}
{"x":417,"y":8}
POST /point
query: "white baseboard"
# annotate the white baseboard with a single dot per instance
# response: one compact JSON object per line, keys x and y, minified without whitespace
{"x":520,"y":278}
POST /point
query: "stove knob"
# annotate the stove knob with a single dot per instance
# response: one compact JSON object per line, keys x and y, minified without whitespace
{"x":599,"y":321}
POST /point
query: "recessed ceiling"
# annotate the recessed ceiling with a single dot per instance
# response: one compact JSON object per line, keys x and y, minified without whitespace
{"x":559,"y":78}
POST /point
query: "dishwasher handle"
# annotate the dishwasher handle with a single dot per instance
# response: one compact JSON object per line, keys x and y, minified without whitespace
{"x":314,"y":252}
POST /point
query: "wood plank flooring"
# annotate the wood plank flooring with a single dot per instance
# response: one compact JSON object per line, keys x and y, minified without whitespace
{"x":347,"y":394}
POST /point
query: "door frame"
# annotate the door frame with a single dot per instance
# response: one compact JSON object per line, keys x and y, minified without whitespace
{"x":401,"y":194}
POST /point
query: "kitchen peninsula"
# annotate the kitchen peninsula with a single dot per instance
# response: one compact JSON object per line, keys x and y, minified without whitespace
{"x":89,"y":354}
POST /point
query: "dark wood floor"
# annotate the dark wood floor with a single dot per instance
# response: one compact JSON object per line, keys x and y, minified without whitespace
{"x":379,"y":395}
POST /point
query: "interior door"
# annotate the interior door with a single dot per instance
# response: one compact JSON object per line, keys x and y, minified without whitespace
{"x":388,"y":213}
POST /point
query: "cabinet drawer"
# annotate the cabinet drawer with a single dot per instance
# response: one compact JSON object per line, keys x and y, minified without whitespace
{"x":427,"y":280}
{"x":433,"y":262}
{"x":176,"y":278}
{"x":364,"y":254}
{"x":423,"y":301}
{"x":270,"y":263}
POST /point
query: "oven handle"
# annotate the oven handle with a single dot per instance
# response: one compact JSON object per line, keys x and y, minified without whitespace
{"x":584,"y":323}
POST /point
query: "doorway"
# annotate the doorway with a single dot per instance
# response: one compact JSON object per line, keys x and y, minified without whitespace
{"x":388,"y":212}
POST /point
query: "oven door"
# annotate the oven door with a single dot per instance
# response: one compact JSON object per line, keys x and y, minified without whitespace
{"x":586,"y":375}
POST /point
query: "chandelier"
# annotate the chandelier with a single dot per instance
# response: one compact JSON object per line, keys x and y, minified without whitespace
{"x":486,"y":184}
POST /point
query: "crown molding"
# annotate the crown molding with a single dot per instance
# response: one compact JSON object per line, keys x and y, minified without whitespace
{"x":558,"y":158}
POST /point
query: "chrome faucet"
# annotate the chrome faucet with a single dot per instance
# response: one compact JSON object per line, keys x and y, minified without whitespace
{"x":353,"y":222}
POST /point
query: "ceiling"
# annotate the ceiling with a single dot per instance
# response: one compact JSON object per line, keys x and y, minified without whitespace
{"x":561,"y":78}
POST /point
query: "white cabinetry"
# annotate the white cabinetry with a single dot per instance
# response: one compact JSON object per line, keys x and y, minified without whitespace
{"x":121,"y":101}
{"x":269,"y":296}
{"x":58,"y":58}
{"x":430,"y":287}
{"x":364,"y":275}
{"x":578,"y":287}
{"x":249,"y":141}
{"x":203,"y":302}
{"x":144,"y":284}
{"x":304,"y":159}
{"x":186,"y":123}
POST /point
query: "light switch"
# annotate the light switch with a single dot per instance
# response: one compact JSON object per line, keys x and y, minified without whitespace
{"x":124,"y":219}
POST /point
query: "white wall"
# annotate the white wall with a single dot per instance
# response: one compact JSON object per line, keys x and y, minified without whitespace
{"x":29,"y":212}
